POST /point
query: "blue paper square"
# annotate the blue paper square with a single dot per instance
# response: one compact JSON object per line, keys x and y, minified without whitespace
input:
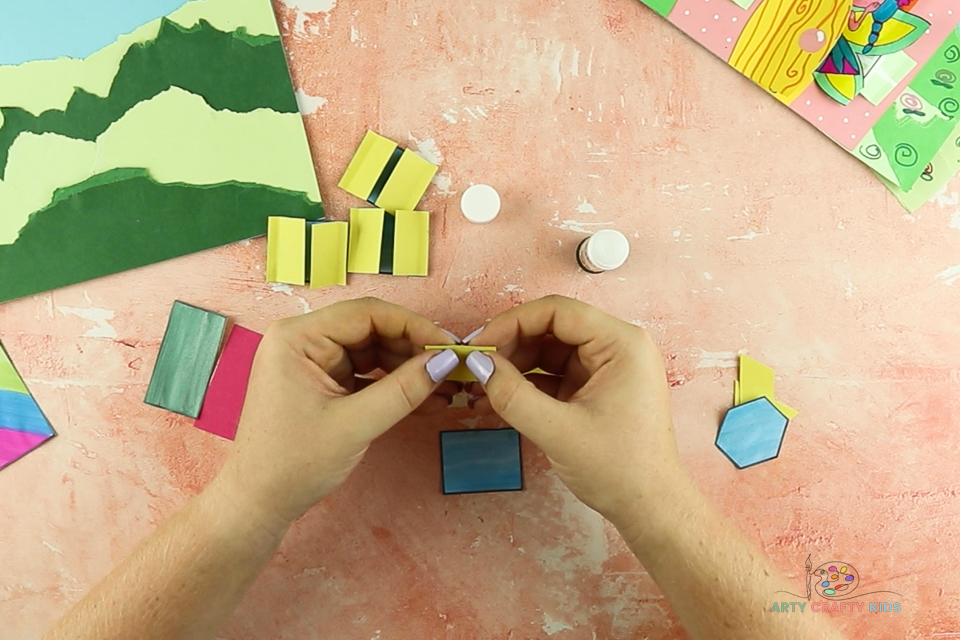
{"x":481,"y":460}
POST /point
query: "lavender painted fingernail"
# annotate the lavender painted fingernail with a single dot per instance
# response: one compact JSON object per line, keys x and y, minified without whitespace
{"x":480,"y":365}
{"x":440,"y":365}
{"x":473,"y":335}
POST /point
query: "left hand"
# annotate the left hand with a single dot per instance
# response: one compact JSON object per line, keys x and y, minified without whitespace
{"x":308,"y":419}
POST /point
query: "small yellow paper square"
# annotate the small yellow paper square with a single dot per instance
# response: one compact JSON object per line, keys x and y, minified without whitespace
{"x":411,"y":243}
{"x":407,"y":183}
{"x":328,"y":254}
{"x":367,"y":164}
{"x":286,"y":250}
{"x":366,"y":238}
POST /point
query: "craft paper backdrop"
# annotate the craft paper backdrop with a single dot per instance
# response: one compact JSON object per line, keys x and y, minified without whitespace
{"x":180,"y":134}
{"x":878,"y":77}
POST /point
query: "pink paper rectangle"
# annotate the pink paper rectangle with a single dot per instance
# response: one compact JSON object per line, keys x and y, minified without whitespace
{"x":220,"y":414}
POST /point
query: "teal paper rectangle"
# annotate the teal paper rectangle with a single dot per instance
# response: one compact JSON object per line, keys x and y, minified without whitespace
{"x":187,"y":357}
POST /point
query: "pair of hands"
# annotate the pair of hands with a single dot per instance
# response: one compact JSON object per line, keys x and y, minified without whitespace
{"x":602,"y":418}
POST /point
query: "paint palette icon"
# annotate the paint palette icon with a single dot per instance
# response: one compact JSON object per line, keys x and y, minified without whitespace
{"x":835,"y":580}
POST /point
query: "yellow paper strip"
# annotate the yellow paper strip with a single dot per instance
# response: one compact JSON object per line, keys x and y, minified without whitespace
{"x":407,"y":183}
{"x":366,"y":238}
{"x":286,"y":250}
{"x":328,"y":254}
{"x":756,"y":380}
{"x":411,"y":244}
{"x":461,"y":373}
{"x":367,"y":164}
{"x":736,"y":393}
{"x":788,"y":411}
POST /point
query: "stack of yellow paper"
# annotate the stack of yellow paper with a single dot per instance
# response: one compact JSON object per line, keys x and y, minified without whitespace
{"x":756,"y":380}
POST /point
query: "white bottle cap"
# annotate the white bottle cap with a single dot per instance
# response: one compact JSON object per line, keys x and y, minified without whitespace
{"x":480,"y":203}
{"x":608,"y":249}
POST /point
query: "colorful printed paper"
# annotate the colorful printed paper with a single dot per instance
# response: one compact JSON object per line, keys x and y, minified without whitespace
{"x":411,"y":247}
{"x":23,"y":427}
{"x":142,"y":133}
{"x":223,"y":403}
{"x":830,"y":59}
{"x":387,"y":176}
{"x":461,"y":373}
{"x":286,"y":250}
{"x":187,"y":356}
{"x":329,"y":243}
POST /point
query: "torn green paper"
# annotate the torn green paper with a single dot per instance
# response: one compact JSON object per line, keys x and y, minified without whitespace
{"x":187,"y":357}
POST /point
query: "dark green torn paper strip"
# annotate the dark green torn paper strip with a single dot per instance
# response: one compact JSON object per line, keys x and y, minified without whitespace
{"x":187,"y":357}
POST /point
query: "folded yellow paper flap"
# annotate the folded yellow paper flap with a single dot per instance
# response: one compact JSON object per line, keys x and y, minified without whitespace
{"x":736,"y":393}
{"x":367,"y":164}
{"x":786,"y":410}
{"x":461,"y":373}
{"x":411,"y":244}
{"x":407,"y":184}
{"x":328,"y":254}
{"x":286,"y":250}
{"x":756,"y":380}
{"x":366,"y":237}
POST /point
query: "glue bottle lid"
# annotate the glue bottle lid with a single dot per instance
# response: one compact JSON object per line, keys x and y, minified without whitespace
{"x":608,"y":249}
{"x":480,"y":203}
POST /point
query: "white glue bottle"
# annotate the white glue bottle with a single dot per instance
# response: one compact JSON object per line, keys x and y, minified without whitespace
{"x":605,"y":250}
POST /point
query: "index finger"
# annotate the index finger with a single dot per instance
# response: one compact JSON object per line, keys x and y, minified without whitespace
{"x":570,"y":321}
{"x":353,"y":324}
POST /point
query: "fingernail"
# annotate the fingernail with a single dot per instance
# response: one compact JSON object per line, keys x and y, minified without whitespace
{"x":451,"y":336}
{"x":440,"y":365}
{"x":473,"y":335}
{"x":480,"y":365}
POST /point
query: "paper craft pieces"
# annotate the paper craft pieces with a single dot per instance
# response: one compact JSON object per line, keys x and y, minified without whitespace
{"x":411,"y":244}
{"x":480,"y":461}
{"x":23,"y":427}
{"x":187,"y":356}
{"x":328,"y":254}
{"x":878,"y":77}
{"x":223,"y":403}
{"x":386,"y":175}
{"x":752,"y":433}
{"x":366,"y":240}
{"x":756,"y":380}
{"x":158,"y":139}
{"x":286,"y":250}
{"x":461,"y":373}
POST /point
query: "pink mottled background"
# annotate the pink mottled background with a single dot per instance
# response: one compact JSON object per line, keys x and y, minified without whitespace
{"x":750,"y":232}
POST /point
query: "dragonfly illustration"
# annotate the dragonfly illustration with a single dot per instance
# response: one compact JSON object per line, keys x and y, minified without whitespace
{"x":876,"y":29}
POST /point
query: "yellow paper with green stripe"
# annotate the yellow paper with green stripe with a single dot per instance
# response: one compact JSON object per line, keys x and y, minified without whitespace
{"x":366,"y":239}
{"x":411,"y":243}
{"x":407,"y":184}
{"x":367,"y":164}
{"x":328,"y":254}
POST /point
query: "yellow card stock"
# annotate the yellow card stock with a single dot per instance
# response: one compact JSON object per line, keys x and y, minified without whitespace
{"x":286,"y":250}
{"x":367,"y":164}
{"x":366,"y":238}
{"x":756,"y":380}
{"x":328,"y":254}
{"x":461,"y":373}
{"x":407,"y":184}
{"x":411,"y":244}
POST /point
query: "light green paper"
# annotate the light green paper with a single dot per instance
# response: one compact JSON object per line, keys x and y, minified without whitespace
{"x":944,"y":166}
{"x":886,"y":75}
{"x":871,"y":154}
{"x":10,"y":380}
{"x":177,"y":138}
{"x":187,"y":357}
{"x":49,"y":84}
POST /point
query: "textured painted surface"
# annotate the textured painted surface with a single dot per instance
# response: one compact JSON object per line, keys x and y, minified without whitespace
{"x":750,"y":231}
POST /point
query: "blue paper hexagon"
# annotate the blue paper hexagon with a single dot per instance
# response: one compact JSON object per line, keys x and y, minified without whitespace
{"x":752,"y":433}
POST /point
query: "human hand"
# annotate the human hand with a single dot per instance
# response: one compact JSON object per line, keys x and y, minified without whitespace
{"x":308,"y":419}
{"x":603,"y":418}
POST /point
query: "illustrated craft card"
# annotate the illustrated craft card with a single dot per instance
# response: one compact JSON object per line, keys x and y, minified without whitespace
{"x":136,"y":131}
{"x":879,"y":77}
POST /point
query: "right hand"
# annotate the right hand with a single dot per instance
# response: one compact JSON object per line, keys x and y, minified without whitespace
{"x":603,"y":418}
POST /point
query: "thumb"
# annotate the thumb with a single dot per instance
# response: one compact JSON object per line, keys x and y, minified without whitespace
{"x":395,"y":396}
{"x":515,"y":399}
